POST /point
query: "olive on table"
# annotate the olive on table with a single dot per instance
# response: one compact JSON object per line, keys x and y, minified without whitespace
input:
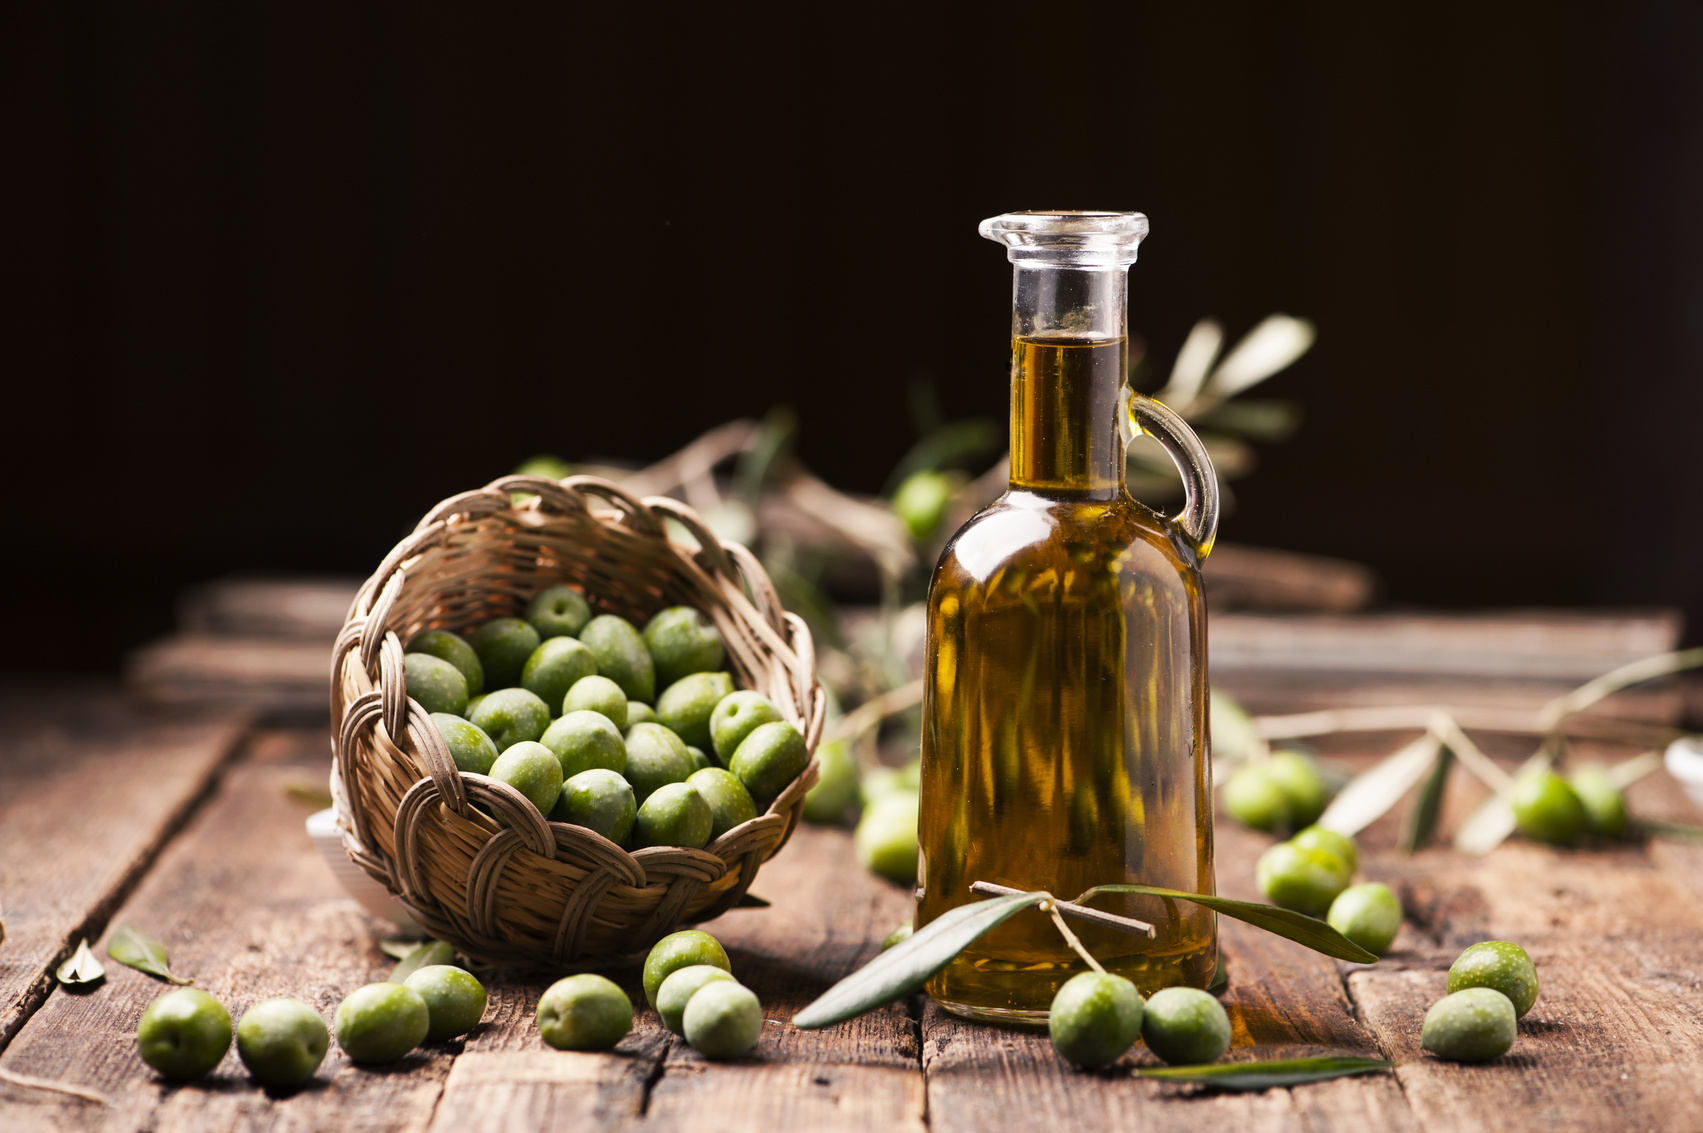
{"x":1094,"y":1018}
{"x":584,"y":1012}
{"x":898,"y":935}
{"x":184,"y":1033}
{"x":584,"y":740}
{"x":1256,"y":800}
{"x":381,"y":1022}
{"x":1299,"y":780}
{"x":282,"y":1041}
{"x":1185,"y":1026}
{"x":455,"y":1001}
{"x":1307,"y":881}
{"x":1500,"y":965}
{"x":723,"y":1020}
{"x":1322,"y":838}
{"x":677,"y":990}
{"x":503,"y":645}
{"x":598,"y":800}
{"x":560,"y":611}
{"x":1605,"y":806}
{"x":598,"y":694}
{"x":836,"y":784}
{"x":682,"y":641}
{"x":886,"y":837}
{"x":1473,"y":1025}
{"x":681,"y":950}
{"x":435,"y":683}
{"x":1546,"y":808}
{"x":1368,"y":914}
{"x":736,"y":716}
{"x":621,"y":655}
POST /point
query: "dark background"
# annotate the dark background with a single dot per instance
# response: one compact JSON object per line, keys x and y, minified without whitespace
{"x":281,"y":276}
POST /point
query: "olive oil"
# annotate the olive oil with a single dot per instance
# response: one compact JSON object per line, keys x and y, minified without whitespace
{"x":1064,"y":719}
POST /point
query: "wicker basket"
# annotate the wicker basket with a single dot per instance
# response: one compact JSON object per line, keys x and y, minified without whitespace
{"x":536,"y":891}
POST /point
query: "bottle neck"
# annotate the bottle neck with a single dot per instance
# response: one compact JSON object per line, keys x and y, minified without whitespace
{"x":1069,"y":355}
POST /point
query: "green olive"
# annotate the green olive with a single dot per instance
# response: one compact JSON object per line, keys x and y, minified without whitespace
{"x":598,"y":694}
{"x":1305,"y":880}
{"x":471,"y":748}
{"x":381,"y":1022}
{"x":655,"y":758}
{"x":836,"y":785}
{"x":681,"y":950}
{"x":1094,"y":1018}
{"x":621,"y":655}
{"x":730,"y":803}
{"x":886,"y":838}
{"x":503,"y":645}
{"x":1299,"y":780}
{"x":598,"y":800}
{"x":723,"y":1020}
{"x":555,"y":667}
{"x":1546,"y":808}
{"x":282,"y":1041}
{"x":454,"y":649}
{"x":184,"y":1033}
{"x":1185,"y":1026}
{"x":1367,"y":914}
{"x":1605,"y":807}
{"x":1255,"y":799}
{"x":560,"y":611}
{"x":1501,"y":966}
{"x":511,"y":716}
{"x":921,"y":501}
{"x":1233,"y":734}
{"x":1320,"y":838}
{"x":584,"y":1012}
{"x":435,"y":683}
{"x":677,"y":990}
{"x":700,"y":761}
{"x":455,"y":1001}
{"x":736,"y":716}
{"x":682,"y":641}
{"x":686,"y":705}
{"x":898,"y":936}
{"x":675,"y":814}
{"x":769,"y":759}
{"x":534,"y":771}
{"x":1474,"y":1025}
{"x":584,"y":739}
{"x":638,"y":712}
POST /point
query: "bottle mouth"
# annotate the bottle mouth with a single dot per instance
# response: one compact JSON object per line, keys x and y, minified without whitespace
{"x":1068,"y":237}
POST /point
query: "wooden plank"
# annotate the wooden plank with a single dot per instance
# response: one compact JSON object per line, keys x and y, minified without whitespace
{"x":197,"y":673}
{"x":250,"y":911}
{"x":1284,"y":1002}
{"x":89,"y":792}
{"x":829,"y":917}
{"x":1615,"y":1040}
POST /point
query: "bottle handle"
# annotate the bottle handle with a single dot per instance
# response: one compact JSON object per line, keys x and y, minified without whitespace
{"x":1198,"y":521}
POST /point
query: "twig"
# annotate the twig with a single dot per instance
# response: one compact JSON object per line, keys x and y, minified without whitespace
{"x":693,"y":462}
{"x":871,"y":712}
{"x":1450,"y":735}
{"x":31,"y":1082}
{"x":1070,"y":909}
{"x":1051,"y":908}
{"x":1629,"y":771}
{"x":1400,"y":717}
{"x":1609,"y":683}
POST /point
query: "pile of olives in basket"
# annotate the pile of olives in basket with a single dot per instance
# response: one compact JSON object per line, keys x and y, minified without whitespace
{"x":637,"y":735}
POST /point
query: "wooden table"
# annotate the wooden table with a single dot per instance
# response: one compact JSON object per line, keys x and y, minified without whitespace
{"x":191,"y":832}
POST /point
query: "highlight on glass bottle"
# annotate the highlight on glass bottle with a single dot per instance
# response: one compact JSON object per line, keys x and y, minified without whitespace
{"x":1065,"y":705}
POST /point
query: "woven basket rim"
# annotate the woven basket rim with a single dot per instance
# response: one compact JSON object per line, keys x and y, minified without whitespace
{"x":408,"y":815}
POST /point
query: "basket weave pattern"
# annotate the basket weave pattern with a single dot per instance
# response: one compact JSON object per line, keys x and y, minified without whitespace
{"x":536,"y":891}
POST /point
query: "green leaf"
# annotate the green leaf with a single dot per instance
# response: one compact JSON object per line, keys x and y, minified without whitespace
{"x":397,"y":949}
{"x":905,"y":967}
{"x":1290,"y":925}
{"x":1673,"y":831}
{"x":1422,"y":824}
{"x":430,"y":952}
{"x":1371,"y":794}
{"x":1220,"y":976}
{"x":82,"y":970}
{"x":1266,"y":1075}
{"x":750,"y":900}
{"x":136,"y":949}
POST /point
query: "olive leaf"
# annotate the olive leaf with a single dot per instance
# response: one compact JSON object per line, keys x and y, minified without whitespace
{"x":136,"y":949}
{"x":397,"y":949}
{"x":1371,"y":794}
{"x":752,"y":901}
{"x":905,"y":967}
{"x":1266,"y":1075}
{"x":1673,"y":831}
{"x":1287,"y":923}
{"x":82,"y":970}
{"x":430,"y":952}
{"x":1422,"y":823}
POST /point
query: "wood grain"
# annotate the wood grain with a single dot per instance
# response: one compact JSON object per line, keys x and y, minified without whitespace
{"x":89,"y":792}
{"x":248,"y":910}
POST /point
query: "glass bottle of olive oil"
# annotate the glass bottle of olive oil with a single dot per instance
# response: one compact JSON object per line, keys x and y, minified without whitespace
{"x":1064,"y":736}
